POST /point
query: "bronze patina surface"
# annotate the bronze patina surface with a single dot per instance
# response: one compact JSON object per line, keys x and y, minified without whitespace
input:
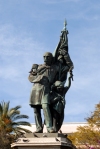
{"x":48,"y":91}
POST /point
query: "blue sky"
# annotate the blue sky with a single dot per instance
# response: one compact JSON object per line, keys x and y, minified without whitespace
{"x":29,"y":28}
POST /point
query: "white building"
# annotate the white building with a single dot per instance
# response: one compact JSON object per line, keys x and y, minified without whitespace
{"x":67,"y":128}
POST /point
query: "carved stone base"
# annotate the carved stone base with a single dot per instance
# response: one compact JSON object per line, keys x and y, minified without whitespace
{"x":43,"y":141}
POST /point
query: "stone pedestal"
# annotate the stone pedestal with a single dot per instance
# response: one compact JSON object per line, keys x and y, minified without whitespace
{"x":43,"y":141}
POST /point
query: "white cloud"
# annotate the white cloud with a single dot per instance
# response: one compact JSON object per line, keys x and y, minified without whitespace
{"x":17,"y":52}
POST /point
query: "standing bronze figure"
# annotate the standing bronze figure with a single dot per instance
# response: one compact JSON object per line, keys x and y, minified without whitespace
{"x":48,"y":91}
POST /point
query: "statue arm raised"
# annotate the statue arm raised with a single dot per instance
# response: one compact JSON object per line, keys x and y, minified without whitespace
{"x":69,"y":82}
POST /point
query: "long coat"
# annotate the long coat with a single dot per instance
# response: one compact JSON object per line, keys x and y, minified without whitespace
{"x":45,"y":77}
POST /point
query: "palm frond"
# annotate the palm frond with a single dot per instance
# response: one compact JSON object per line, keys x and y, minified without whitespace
{"x":13,"y":113}
{"x":20,"y":129}
{"x":14,"y":124}
{"x":9,"y":117}
{"x":24,"y":123}
{"x":19,"y":117}
{"x":17,"y":107}
{"x":5,"y":107}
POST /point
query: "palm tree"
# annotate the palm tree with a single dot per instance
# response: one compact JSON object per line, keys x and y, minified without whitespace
{"x":9,"y":119}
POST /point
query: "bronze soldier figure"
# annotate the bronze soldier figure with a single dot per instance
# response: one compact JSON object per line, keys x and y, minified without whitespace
{"x":54,"y":71}
{"x":40,"y":94}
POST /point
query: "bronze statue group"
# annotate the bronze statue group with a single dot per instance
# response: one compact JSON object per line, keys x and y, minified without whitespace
{"x":48,"y":90}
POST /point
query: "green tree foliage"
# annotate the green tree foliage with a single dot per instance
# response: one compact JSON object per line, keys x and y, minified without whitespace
{"x":11,"y":123}
{"x":88,"y":136}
